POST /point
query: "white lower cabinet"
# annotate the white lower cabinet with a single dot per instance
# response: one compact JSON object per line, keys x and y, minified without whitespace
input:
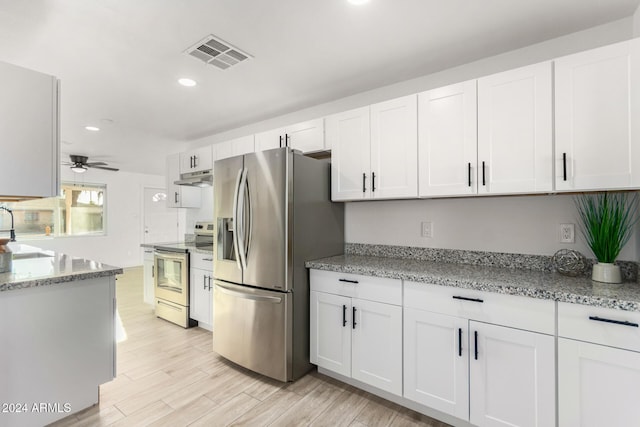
{"x":353,"y":332}
{"x":598,"y":366}
{"x":201,"y":290}
{"x":511,"y":377}
{"x":485,"y":358}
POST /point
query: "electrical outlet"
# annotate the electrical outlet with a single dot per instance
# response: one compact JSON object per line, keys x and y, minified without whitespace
{"x":427,"y":229}
{"x":567,"y":233}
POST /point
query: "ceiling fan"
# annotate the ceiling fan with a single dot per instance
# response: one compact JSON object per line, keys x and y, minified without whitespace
{"x":79,"y":164}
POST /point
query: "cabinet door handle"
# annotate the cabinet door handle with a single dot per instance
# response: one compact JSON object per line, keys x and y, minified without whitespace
{"x":353,"y":318}
{"x":460,"y":342}
{"x":210,"y":279}
{"x":286,"y":139}
{"x":564,"y":166}
{"x":348,"y":281}
{"x":204,"y":282}
{"x":364,"y":178}
{"x":483,"y":179}
{"x":207,"y":259}
{"x":615,"y":322}
{"x":280,"y":141}
{"x":176,"y":197}
{"x":475,"y":340}
{"x":195,"y":161}
{"x":373,"y":182}
{"x":469,"y":173}
{"x":467,"y":299}
{"x":344,"y":315}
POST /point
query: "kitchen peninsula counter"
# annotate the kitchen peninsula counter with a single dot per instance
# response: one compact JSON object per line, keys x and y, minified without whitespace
{"x":58,"y":335}
{"x":542,"y":284}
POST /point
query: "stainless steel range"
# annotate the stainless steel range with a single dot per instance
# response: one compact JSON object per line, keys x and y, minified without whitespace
{"x":204,"y":235}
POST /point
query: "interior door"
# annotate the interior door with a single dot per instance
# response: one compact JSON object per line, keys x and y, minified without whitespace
{"x":264,"y":228}
{"x":160,"y":222}
{"x":226,"y":182}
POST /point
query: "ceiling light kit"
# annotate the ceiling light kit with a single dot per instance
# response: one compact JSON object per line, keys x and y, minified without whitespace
{"x":92,"y":128}
{"x":78,"y":169}
{"x":187,"y":82}
{"x":358,"y":2}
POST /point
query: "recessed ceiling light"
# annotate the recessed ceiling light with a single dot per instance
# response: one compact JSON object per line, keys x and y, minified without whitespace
{"x":187,"y":82}
{"x":92,"y":128}
{"x":358,"y":2}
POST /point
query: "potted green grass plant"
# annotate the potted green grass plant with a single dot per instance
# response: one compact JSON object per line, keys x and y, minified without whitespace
{"x":606,"y":222}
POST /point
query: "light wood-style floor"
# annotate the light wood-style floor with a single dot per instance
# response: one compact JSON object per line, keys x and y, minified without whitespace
{"x":169,"y":376}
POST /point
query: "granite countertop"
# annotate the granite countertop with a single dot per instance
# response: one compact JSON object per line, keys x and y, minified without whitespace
{"x":44,"y":268}
{"x":535,"y":284}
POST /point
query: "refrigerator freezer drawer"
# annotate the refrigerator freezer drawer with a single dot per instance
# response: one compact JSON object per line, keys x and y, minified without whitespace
{"x":251,"y":329}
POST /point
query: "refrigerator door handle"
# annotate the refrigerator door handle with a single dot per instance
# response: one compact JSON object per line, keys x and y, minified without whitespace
{"x":236,"y":227}
{"x":242,"y":246}
{"x":249,"y":216}
{"x":263,"y":298}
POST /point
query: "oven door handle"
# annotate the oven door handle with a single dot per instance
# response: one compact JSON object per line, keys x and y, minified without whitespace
{"x":236,"y":226}
{"x":234,"y":293}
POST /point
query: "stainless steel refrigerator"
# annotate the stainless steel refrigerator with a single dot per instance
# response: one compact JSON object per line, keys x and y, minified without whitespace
{"x":273,"y":212}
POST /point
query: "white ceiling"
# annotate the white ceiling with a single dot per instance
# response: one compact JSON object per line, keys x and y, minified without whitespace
{"x":120,"y":59}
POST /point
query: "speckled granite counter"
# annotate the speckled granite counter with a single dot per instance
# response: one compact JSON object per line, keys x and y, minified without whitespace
{"x":51,"y":270}
{"x":531,"y":283}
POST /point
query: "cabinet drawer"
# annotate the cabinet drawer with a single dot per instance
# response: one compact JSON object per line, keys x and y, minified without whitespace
{"x":369,"y":288}
{"x":201,"y":261}
{"x":615,"y":328}
{"x":507,"y":310}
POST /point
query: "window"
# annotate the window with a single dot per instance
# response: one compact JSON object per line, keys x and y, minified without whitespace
{"x":80,"y":210}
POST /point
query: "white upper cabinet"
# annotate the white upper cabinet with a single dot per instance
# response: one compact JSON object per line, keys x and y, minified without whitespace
{"x":374,"y":151}
{"x":348,"y":134}
{"x":306,"y":136}
{"x":515,"y":153}
{"x":597,"y":105}
{"x":196,"y":160}
{"x":29,"y":133}
{"x":447,"y":140}
{"x":234,"y":147}
{"x":394,"y":148}
{"x":179,"y":196}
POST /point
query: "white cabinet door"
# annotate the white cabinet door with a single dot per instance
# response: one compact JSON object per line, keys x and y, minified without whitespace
{"x":200,"y":297}
{"x":269,"y":140}
{"x":307,"y":137}
{"x":179,"y":196}
{"x":597,"y":385}
{"x":597,"y":105}
{"x":436,"y":361}
{"x":196,"y":160}
{"x":512,"y":377}
{"x":348,"y":135}
{"x":234,"y":147}
{"x":515,"y":131}
{"x":447,"y":140}
{"x":29,"y":133}
{"x":330,"y":334}
{"x":377,"y":345}
{"x":394,"y":148}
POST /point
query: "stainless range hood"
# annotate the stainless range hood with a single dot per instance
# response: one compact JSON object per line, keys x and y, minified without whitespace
{"x":196,"y":179}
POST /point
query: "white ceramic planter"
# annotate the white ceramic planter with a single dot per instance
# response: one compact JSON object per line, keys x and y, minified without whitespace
{"x":606,"y":273}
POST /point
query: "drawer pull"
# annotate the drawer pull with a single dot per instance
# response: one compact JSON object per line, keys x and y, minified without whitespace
{"x":617,"y":322}
{"x":207,"y":259}
{"x":460,"y":342}
{"x":347,"y":281}
{"x":468,"y":299}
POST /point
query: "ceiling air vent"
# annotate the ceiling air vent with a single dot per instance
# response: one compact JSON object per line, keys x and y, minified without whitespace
{"x":217,"y":52}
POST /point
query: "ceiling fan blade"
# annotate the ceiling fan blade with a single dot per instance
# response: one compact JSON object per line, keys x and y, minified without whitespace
{"x":101,"y":167}
{"x":96,"y":164}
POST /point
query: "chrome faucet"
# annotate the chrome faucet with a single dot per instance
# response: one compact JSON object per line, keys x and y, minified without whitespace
{"x":12,"y":231}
